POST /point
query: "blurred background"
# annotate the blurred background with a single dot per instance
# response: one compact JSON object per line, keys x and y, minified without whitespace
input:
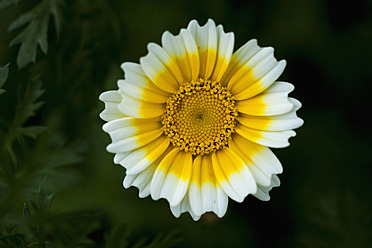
{"x":60,"y":188}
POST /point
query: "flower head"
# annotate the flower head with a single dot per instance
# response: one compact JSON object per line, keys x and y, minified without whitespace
{"x":193,"y":121}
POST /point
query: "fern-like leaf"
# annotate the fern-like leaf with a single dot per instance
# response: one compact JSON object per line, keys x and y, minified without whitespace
{"x":118,"y":237}
{"x":36,"y":31}
{"x":3,"y":76}
{"x":7,"y":3}
{"x":161,"y":240}
{"x":28,"y":104}
{"x":25,"y":109}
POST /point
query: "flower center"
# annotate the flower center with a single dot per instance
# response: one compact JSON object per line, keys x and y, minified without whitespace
{"x":200,"y":117}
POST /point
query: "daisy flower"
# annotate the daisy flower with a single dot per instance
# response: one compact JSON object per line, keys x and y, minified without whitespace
{"x":193,"y":121}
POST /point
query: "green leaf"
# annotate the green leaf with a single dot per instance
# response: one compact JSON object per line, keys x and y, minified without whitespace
{"x":44,"y":199}
{"x":26,"y":212}
{"x":35,"y":33}
{"x":4,"y":71}
{"x":7,"y":3}
{"x":32,"y":131}
{"x":28,"y":103}
{"x":160,"y":241}
{"x":118,"y":237}
{"x":26,"y":107}
{"x":13,"y":240}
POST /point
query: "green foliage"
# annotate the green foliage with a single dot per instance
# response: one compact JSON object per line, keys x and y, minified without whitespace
{"x":42,"y":227}
{"x":7,"y":3}
{"x":3,"y":76}
{"x":35,"y":147}
{"x":162,"y":240}
{"x":118,"y":237}
{"x":25,"y":109}
{"x":35,"y":33}
{"x":51,"y":136}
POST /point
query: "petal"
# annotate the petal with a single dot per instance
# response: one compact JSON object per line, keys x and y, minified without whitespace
{"x":244,"y":75}
{"x":276,"y":122}
{"x":135,"y":75}
{"x":194,"y":189}
{"x":183,"y":50}
{"x":239,"y":58}
{"x":265,"y":76}
{"x":140,"y":109}
{"x":205,"y":194}
{"x":252,"y":69}
{"x":266,"y":138}
{"x":224,"y":52}
{"x":233,"y":175}
{"x":161,"y":69}
{"x":160,"y":173}
{"x":261,"y":156}
{"x":127,"y":122}
{"x":177,"y":179}
{"x":119,"y":157}
{"x":139,"y":159}
{"x":262,"y":177}
{"x":273,"y":101}
{"x":206,"y":40}
{"x":134,"y":142}
{"x":256,"y":75}
{"x":208,"y":184}
{"x":141,"y":180}
{"x":111,"y":99}
{"x":263,"y":191}
{"x":127,"y":127}
{"x":141,"y":93}
{"x":213,"y":197}
{"x":222,"y":201}
{"x":182,"y":207}
{"x":172,"y":177}
{"x":111,"y":96}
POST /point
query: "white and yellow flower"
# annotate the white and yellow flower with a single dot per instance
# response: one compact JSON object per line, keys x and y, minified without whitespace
{"x":192,"y":122}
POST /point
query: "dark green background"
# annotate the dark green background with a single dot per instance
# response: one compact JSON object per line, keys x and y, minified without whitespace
{"x":325,"y":197}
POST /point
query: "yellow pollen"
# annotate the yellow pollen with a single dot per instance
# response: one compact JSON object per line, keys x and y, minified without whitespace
{"x":200,"y":117}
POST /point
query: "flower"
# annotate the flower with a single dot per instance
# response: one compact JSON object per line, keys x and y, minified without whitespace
{"x":193,"y":121}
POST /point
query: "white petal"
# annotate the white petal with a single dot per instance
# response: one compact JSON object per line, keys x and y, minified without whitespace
{"x":266,"y":138}
{"x":111,"y":111}
{"x":119,"y":157}
{"x":263,"y":191}
{"x":140,"y":93}
{"x":183,"y":50}
{"x":135,"y":75}
{"x":208,"y":196}
{"x":194,"y":188}
{"x":240,"y":147}
{"x":134,"y":142}
{"x":224,"y":52}
{"x":267,"y":161}
{"x":233,"y":175}
{"x":238,"y":59}
{"x":110,"y":96}
{"x":261,"y":158}
{"x":140,"y":109}
{"x":206,"y":40}
{"x":161,"y":69}
{"x":160,"y":173}
{"x":177,"y":180}
{"x":139,"y":159}
{"x":182,"y":207}
{"x":273,"y":101}
{"x":221,"y":202}
{"x":141,"y":180}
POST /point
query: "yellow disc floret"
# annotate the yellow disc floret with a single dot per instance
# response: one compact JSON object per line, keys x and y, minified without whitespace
{"x":200,"y":117}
